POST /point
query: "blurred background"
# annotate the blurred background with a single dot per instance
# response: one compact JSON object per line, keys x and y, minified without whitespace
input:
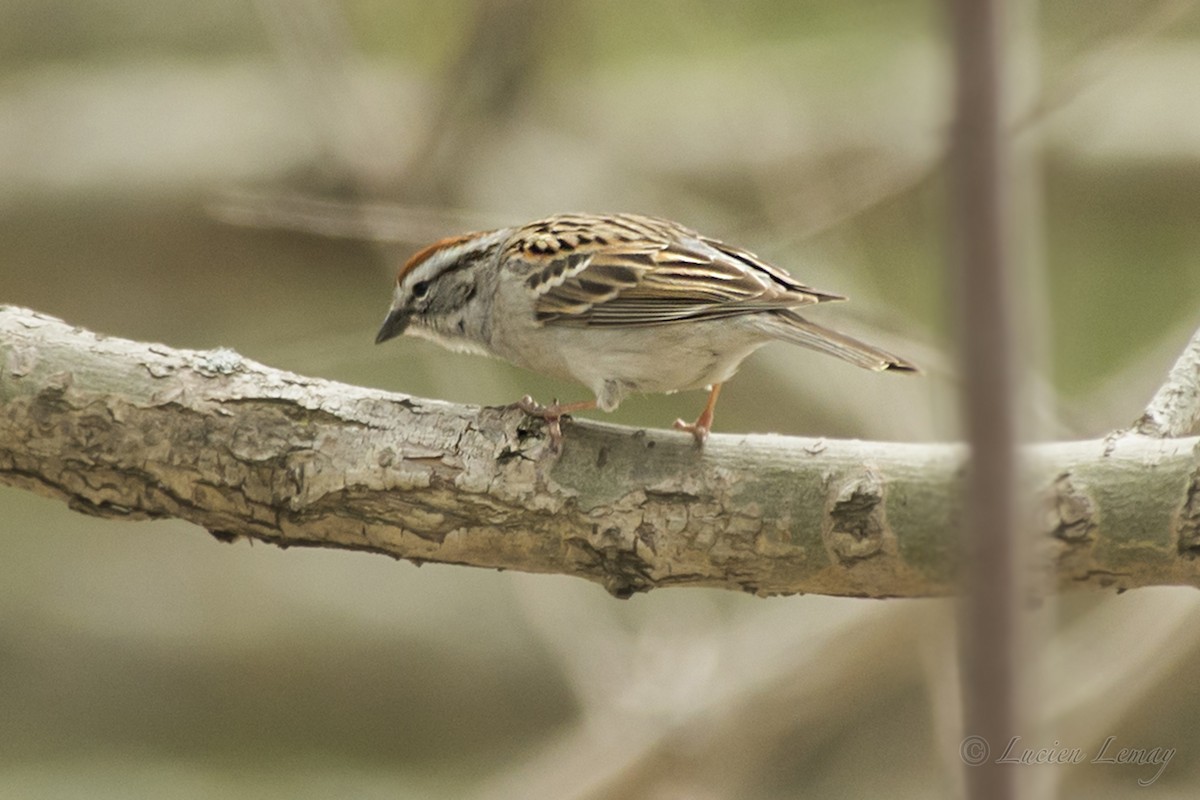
{"x":250,"y":175}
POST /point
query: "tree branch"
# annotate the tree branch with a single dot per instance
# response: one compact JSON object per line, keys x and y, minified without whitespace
{"x":1175,"y":408}
{"x":131,"y":430}
{"x":990,"y":620}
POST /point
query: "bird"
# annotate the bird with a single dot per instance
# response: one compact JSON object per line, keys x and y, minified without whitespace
{"x":621,"y":303}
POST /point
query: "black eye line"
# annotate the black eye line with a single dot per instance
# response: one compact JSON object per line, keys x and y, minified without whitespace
{"x":465,"y":261}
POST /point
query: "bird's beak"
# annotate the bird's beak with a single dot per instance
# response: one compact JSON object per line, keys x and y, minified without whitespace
{"x":393,"y":325}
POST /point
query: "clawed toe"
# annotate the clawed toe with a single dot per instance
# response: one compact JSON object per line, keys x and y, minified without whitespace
{"x":531,"y":407}
{"x":553,"y":415}
{"x":698,"y":432}
{"x":703,"y":424}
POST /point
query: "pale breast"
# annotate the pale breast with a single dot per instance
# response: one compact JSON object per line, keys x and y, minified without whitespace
{"x":617,"y":362}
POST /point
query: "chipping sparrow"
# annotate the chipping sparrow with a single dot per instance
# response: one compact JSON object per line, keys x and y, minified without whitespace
{"x":618,"y":302}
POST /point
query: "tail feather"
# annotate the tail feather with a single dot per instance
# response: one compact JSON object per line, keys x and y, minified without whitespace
{"x":797,"y":330}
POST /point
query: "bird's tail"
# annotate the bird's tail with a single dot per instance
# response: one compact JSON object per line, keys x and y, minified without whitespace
{"x":797,"y":330}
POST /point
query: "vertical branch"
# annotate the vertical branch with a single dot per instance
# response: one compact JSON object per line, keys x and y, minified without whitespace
{"x":988,"y":622}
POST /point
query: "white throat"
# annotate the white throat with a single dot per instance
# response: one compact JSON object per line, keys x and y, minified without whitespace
{"x":458,"y":344}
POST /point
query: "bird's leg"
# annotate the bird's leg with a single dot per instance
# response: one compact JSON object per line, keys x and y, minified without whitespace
{"x":552,"y":414}
{"x":703,"y":424}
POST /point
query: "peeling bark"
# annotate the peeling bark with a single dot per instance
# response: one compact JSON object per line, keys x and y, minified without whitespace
{"x":140,"y":431}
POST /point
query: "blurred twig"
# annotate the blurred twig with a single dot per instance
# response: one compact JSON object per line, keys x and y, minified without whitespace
{"x":891,"y":178}
{"x":377,"y":222}
{"x":1087,"y":71}
{"x":319,"y":60}
{"x":775,"y":674}
{"x":992,"y":579}
{"x":479,"y":92}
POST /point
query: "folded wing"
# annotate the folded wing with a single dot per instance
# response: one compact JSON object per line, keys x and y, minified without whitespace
{"x":633,"y":271}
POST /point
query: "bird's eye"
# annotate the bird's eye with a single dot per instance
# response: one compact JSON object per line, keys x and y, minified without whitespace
{"x":420,"y":288}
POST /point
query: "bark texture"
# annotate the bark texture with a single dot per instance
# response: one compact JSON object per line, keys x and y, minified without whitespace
{"x":1175,"y":408}
{"x":124,"y":429}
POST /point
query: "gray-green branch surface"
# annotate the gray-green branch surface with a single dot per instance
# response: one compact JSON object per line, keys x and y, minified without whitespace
{"x":132,"y":430}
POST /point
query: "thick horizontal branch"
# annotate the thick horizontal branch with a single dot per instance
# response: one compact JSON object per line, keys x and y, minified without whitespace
{"x":123,"y":429}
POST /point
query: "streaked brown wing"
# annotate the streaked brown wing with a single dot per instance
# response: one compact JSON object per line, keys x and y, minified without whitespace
{"x":779,"y":276}
{"x":631,"y":271}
